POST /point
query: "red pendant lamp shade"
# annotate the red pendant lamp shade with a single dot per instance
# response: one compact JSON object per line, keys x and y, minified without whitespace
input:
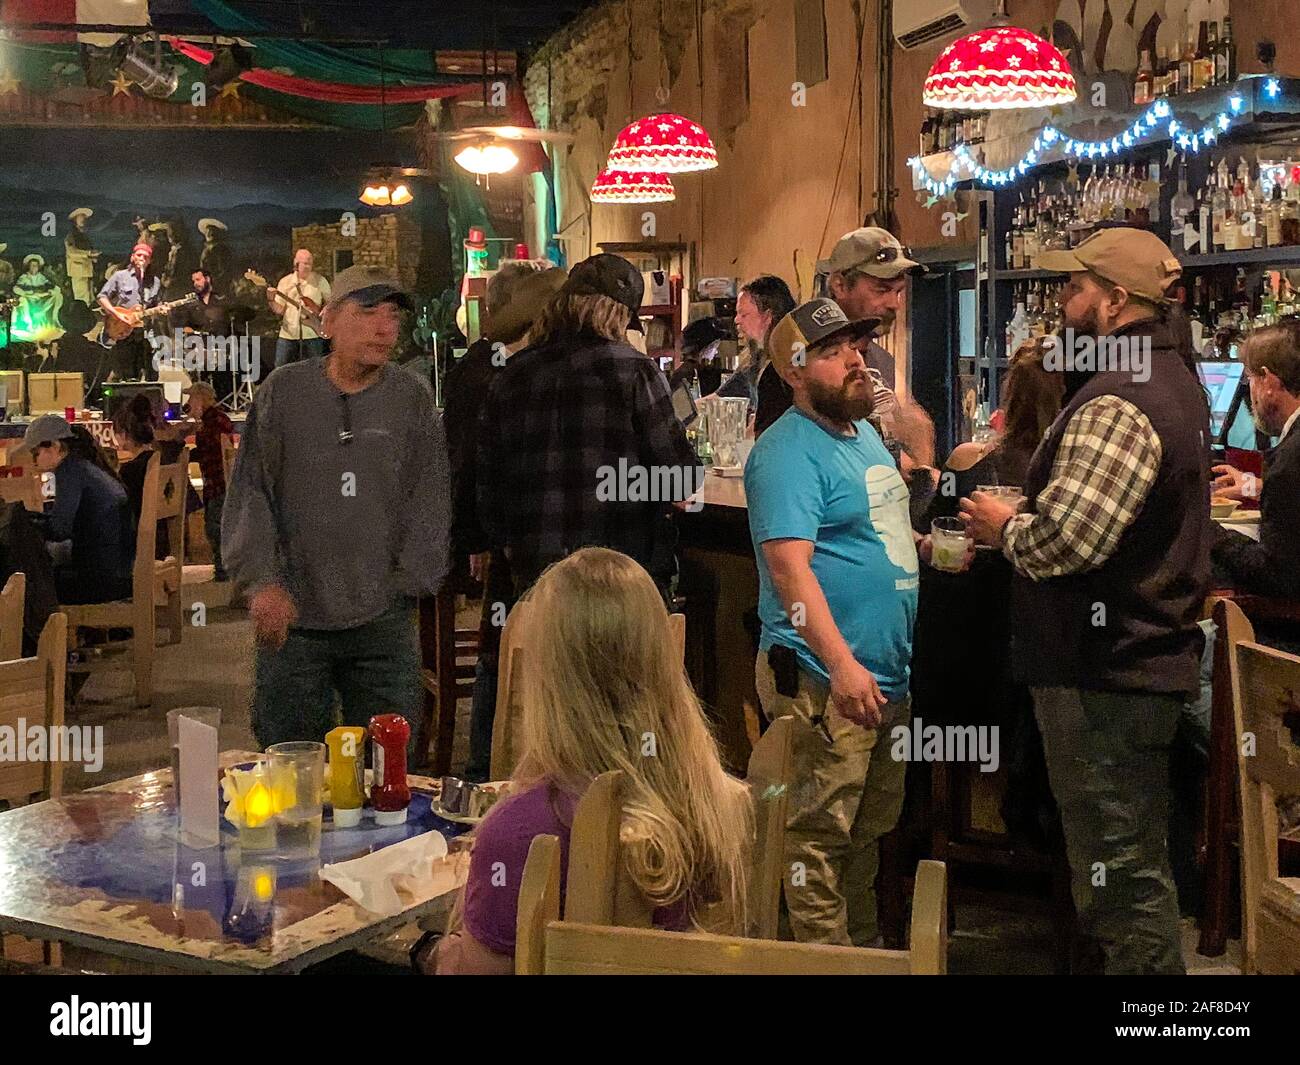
{"x":1001,"y":67}
{"x":618,"y":186}
{"x":663,"y":144}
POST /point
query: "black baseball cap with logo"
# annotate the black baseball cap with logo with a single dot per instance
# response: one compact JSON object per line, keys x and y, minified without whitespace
{"x":813,"y":325}
{"x":611,"y":276}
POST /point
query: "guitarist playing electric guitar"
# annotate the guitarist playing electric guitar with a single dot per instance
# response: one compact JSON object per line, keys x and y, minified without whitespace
{"x":298,"y":300}
{"x":133,"y":288}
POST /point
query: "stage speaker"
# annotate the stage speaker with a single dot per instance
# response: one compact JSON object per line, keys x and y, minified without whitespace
{"x":53,"y":393}
{"x":117,"y":394}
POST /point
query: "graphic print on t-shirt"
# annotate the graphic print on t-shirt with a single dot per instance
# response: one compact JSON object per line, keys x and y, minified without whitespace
{"x":888,"y":496}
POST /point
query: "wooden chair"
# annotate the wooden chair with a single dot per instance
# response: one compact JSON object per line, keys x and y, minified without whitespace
{"x":511,"y":660}
{"x":1266,"y":692}
{"x":228,"y":450}
{"x":600,"y":892}
{"x":25,"y":490}
{"x":32,"y":689}
{"x":769,"y":783}
{"x":546,"y":945}
{"x":449,"y":659}
{"x":12,"y":599}
{"x":155,"y":584}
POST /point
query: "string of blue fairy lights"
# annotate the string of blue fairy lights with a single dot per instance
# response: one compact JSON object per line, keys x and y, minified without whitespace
{"x":1156,"y":121}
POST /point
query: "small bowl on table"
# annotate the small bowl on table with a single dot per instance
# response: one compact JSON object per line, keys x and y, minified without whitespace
{"x":1221,"y":508}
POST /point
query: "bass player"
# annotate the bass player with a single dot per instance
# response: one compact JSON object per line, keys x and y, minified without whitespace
{"x":303,"y":289}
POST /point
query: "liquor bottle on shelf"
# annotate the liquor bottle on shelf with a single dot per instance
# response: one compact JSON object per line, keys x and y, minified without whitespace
{"x":1181,"y":209}
{"x":1031,"y":231}
{"x":1018,"y":238}
{"x":1144,"y":84}
{"x":1219,"y":205}
{"x":1225,"y":59}
{"x":1204,"y":221}
{"x":1291,"y":210}
{"x":1187,"y":63}
{"x":927,"y":135}
{"x":1160,"y":79}
{"x":1212,"y":54}
{"x":1273,"y":218}
{"x":1203,"y":66}
{"x":1018,"y":326}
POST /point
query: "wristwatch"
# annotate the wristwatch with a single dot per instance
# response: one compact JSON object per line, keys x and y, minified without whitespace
{"x":421,"y":945}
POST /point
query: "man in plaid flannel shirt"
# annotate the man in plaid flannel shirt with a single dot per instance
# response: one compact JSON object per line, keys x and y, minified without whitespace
{"x":578,"y":444}
{"x":1112,"y":568}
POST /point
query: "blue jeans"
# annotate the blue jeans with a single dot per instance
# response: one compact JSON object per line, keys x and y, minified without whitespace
{"x":212,"y":527}
{"x":371,"y":669}
{"x":287,"y":351}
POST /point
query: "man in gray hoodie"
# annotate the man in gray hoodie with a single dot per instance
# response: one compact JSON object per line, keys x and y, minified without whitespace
{"x":336,"y":519}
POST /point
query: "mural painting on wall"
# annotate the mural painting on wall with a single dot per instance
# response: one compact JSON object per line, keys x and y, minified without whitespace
{"x":224,"y":202}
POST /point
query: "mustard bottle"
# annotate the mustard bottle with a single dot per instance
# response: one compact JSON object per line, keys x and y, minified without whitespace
{"x":347,"y":747}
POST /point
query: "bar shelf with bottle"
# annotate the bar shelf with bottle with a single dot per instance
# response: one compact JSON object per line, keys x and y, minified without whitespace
{"x":1230,"y":211}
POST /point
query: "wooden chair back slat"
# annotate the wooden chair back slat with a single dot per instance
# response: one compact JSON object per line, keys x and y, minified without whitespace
{"x":769,"y":785}
{"x":545,"y":944}
{"x":539,"y":904}
{"x":510,"y":663}
{"x":31,"y":693}
{"x":12,"y":599}
{"x":1267,"y":686}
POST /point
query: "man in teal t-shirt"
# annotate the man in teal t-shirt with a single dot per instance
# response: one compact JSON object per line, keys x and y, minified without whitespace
{"x":838,"y":576}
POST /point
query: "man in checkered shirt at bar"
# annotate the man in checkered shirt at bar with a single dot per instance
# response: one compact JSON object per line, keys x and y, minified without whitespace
{"x":578,"y":444}
{"x":1111,"y":565}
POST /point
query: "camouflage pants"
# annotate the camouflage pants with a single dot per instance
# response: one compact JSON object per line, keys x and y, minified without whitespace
{"x":845,"y":795}
{"x":1108,"y":762}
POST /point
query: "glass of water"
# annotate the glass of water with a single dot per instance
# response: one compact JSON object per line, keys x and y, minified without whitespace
{"x":297,"y":791}
{"x":949,"y":542}
{"x":1012,"y":495}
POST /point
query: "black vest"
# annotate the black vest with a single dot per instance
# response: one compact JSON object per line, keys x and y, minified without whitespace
{"x":1130,"y":624}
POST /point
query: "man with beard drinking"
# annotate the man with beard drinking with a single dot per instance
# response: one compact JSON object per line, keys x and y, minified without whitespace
{"x":1111,"y":560}
{"x":838,"y":578}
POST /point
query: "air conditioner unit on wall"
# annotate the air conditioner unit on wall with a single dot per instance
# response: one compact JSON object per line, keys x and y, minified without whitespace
{"x":918,"y":23}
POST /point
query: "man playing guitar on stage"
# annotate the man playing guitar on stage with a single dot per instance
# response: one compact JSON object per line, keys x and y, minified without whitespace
{"x":132,"y":287}
{"x":300,"y":337}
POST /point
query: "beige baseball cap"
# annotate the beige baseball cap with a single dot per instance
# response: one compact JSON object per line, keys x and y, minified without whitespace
{"x":872,"y":250}
{"x":368,"y":286}
{"x":1133,"y":259}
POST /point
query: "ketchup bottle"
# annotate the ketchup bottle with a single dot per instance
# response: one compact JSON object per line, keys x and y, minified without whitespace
{"x":389,"y":795}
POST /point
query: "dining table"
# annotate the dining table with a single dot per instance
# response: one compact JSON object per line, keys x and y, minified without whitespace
{"x":106,"y":870}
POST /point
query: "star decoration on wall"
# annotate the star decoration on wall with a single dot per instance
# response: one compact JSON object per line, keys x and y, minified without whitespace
{"x":8,"y":84}
{"x":121,"y":87}
{"x":230,"y":91}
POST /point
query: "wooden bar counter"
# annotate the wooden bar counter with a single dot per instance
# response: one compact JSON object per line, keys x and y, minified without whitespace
{"x":718,"y":588}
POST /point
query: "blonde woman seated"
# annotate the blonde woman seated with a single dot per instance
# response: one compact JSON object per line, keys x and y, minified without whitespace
{"x":603,"y":674}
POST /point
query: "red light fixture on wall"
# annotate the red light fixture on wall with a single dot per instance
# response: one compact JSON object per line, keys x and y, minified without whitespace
{"x":618,"y":186}
{"x":663,"y":144}
{"x":999,"y":68}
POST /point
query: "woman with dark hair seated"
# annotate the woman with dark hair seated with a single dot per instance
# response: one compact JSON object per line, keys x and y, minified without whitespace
{"x":133,"y":433}
{"x":90,"y":509}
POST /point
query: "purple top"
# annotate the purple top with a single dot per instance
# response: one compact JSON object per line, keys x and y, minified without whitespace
{"x":496,"y":866}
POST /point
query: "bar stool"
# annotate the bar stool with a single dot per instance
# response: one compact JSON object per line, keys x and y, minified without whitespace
{"x":448,"y":660}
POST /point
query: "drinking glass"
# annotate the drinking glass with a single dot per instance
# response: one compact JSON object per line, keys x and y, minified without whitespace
{"x":948,"y":543}
{"x":297,"y":793}
{"x":1011,"y":494}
